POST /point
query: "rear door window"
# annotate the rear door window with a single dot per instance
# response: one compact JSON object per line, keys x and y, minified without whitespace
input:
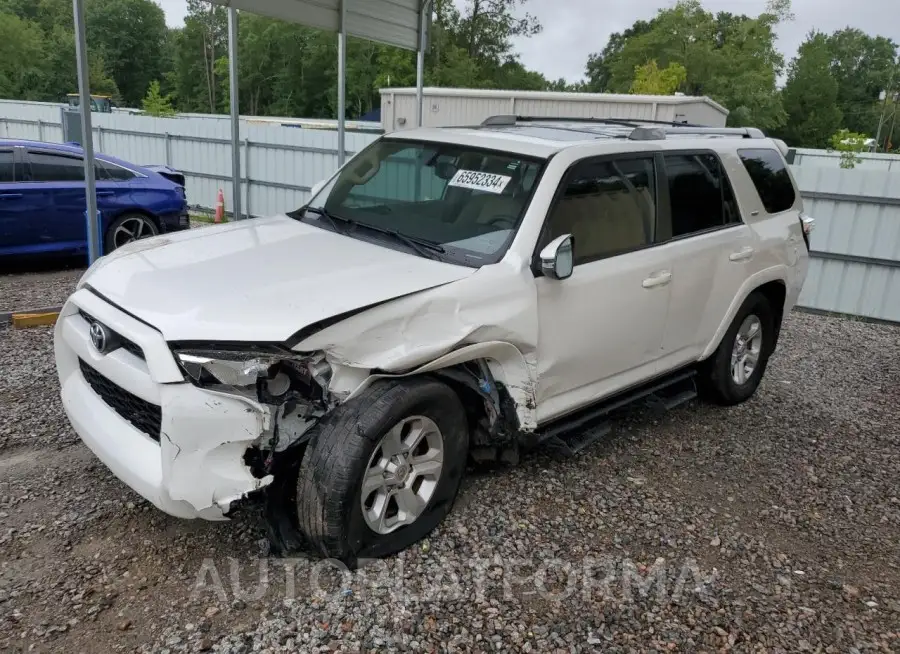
{"x":770,"y":177}
{"x":46,"y":167}
{"x":699,"y":192}
{"x":7,"y":167}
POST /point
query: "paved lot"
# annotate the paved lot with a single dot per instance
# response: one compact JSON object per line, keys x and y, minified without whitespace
{"x":769,"y":527}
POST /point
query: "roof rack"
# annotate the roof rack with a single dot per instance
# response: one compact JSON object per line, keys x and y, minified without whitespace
{"x":643,"y":129}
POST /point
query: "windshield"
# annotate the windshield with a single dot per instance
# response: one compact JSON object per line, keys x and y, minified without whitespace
{"x":466,"y":202}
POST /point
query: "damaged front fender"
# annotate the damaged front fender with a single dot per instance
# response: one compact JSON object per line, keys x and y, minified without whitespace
{"x":490,"y":315}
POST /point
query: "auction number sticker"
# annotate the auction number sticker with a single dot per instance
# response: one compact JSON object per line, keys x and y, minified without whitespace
{"x":480,"y":181}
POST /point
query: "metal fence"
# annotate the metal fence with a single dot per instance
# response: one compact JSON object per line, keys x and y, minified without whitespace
{"x":832,"y":159}
{"x":855,"y":267}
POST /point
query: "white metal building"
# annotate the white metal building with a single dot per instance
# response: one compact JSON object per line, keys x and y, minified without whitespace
{"x":444,"y":106}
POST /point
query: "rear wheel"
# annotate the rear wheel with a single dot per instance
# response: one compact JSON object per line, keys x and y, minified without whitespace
{"x":382,"y":470}
{"x":733,"y":373}
{"x":127,"y":228}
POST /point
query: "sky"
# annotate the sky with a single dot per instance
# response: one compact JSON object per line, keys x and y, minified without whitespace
{"x":573,"y":29}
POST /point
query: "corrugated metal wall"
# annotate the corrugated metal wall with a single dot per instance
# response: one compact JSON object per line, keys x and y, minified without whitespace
{"x":832,"y":159}
{"x":855,"y":267}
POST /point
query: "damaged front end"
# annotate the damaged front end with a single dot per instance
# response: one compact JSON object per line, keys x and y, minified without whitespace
{"x":288,"y":390}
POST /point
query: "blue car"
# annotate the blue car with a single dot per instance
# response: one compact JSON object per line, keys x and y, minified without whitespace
{"x":42,"y":200}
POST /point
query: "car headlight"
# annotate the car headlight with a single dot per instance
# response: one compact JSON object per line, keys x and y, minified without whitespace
{"x":269,"y":377}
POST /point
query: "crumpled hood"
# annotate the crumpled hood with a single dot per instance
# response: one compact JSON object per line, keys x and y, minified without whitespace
{"x":257,"y":280}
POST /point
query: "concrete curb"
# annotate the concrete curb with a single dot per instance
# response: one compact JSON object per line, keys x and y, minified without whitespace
{"x":30,"y":318}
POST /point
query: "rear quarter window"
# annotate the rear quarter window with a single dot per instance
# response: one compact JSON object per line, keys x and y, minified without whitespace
{"x":770,"y":177}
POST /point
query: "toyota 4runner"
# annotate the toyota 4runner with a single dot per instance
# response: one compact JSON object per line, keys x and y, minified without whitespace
{"x":448,"y":294}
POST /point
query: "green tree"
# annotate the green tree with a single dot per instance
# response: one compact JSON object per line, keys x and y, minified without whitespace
{"x":862,"y":65}
{"x":732,"y":59}
{"x":810,"y":96}
{"x":597,"y":70}
{"x":202,"y":42}
{"x":485,"y":28}
{"x":21,"y":54}
{"x":157,"y":104}
{"x":849,"y":144}
{"x":129,"y":34}
{"x":650,"y":79}
{"x":61,"y":70}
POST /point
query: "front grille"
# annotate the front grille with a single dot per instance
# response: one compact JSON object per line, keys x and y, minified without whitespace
{"x":118,"y":341}
{"x":145,"y":416}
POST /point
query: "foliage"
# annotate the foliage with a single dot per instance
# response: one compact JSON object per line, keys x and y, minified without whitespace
{"x":849,"y":144}
{"x":156,"y":104}
{"x":597,"y":71}
{"x":810,"y":96}
{"x":650,"y":79}
{"x":291,"y":70}
{"x":129,"y":35}
{"x":732,"y":59}
{"x":21,"y":75}
{"x":485,"y":28}
{"x":862,"y":65}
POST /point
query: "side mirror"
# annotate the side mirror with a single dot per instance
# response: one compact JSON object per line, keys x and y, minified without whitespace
{"x":558,"y":257}
{"x":316,"y":188}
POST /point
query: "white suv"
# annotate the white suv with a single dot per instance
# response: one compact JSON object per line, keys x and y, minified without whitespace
{"x":448,"y":294}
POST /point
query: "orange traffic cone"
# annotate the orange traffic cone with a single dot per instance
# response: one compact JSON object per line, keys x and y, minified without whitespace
{"x":220,"y":206}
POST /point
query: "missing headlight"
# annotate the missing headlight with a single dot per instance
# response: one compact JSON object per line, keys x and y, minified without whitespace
{"x":269,"y":378}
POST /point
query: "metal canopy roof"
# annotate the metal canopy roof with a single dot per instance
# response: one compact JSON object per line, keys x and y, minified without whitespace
{"x":394,"y":22}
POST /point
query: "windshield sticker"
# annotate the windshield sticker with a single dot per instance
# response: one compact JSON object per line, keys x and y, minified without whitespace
{"x":479,"y":181}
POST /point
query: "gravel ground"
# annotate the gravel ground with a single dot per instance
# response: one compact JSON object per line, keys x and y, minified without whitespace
{"x":22,"y":291}
{"x":768,"y":527}
{"x":42,"y":284}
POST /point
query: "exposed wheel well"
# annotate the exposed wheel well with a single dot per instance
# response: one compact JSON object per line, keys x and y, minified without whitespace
{"x":775,"y":292}
{"x":491,"y":417}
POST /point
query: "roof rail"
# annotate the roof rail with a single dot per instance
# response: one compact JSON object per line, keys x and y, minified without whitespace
{"x":644,"y":129}
{"x":509,"y":119}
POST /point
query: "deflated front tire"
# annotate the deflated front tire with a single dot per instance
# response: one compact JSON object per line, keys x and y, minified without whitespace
{"x":380,"y":472}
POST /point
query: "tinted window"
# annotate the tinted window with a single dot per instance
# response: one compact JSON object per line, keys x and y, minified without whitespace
{"x":770,"y":177}
{"x":109,"y":171}
{"x":55,"y":168}
{"x":6,"y":166}
{"x":699,"y":192}
{"x":609,"y":207}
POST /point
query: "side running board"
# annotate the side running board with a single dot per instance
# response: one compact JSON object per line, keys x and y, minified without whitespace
{"x":570,"y":435}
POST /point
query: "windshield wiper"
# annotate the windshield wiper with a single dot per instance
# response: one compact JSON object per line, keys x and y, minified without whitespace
{"x":423,"y":246}
{"x":332,"y":218}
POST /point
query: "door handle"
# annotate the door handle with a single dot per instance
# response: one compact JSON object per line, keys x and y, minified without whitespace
{"x":742,"y":255}
{"x":101,"y":193}
{"x":660,"y":278}
{"x":10,"y":196}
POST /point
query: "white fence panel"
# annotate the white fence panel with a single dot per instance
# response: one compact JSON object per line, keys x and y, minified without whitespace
{"x":855,"y":266}
{"x":832,"y":159}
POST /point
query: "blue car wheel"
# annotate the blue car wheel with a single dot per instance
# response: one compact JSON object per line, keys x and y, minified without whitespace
{"x":127,"y":228}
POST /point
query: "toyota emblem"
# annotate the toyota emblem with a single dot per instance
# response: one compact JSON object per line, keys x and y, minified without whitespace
{"x":99,"y":337}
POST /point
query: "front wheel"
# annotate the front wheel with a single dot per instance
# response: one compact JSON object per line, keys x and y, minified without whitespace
{"x":383,"y":470}
{"x":733,"y":373}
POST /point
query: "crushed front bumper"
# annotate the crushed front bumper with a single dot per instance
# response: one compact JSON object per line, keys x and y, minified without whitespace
{"x":193,"y":466}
